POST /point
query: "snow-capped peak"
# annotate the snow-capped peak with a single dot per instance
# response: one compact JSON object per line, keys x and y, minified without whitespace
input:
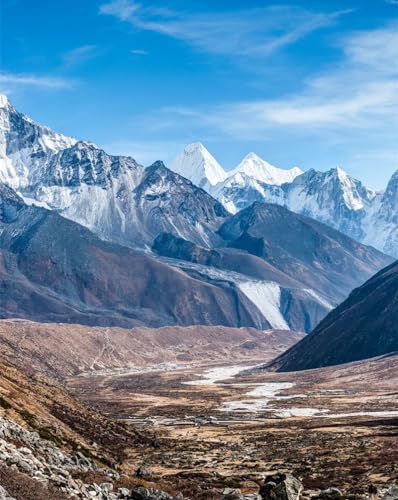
{"x":254,"y":166}
{"x":3,"y":101}
{"x":199,"y":166}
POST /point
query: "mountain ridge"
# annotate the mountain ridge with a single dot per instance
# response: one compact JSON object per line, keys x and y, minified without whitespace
{"x":365,"y":325}
{"x":332,"y":197}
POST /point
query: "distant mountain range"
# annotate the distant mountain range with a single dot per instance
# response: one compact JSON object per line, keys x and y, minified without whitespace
{"x":173,"y":254}
{"x":363,"y":326}
{"x":332,"y":197}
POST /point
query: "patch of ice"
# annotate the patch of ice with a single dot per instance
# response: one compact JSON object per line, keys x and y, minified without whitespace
{"x":387,"y":413}
{"x":217,"y":374}
{"x":300,"y":412}
{"x":266,"y":295}
{"x":261,"y":396}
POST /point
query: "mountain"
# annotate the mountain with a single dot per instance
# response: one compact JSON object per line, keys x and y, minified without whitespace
{"x":23,"y":146}
{"x":132,"y":204}
{"x":380,"y":224}
{"x":344,"y":203}
{"x":282,"y":299}
{"x":256,"y":168}
{"x":363,"y":326}
{"x":320,"y":257}
{"x":294,"y":275}
{"x":52,"y":269}
{"x":151,"y":209}
{"x":332,"y":197}
{"x":199,"y":166}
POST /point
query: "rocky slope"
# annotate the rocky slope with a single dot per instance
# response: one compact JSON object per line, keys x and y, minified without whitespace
{"x":53,"y":269}
{"x":46,"y":347}
{"x":363,"y":326}
{"x":332,"y":197}
{"x":293,"y":268}
{"x":323,"y":259}
{"x":46,"y":446}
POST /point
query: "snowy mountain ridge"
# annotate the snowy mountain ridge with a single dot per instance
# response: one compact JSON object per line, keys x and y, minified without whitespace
{"x":332,"y":197}
{"x":114,"y":196}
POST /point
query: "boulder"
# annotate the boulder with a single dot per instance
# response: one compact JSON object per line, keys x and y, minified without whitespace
{"x":281,"y":486}
{"x":232,"y":494}
{"x":392,"y":493}
{"x":4,"y":495}
{"x":142,"y":493}
{"x":330,"y":494}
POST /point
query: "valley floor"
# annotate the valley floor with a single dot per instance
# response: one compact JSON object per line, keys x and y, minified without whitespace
{"x":334,"y":426}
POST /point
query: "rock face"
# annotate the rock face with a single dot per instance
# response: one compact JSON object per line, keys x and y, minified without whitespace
{"x":363,"y":326}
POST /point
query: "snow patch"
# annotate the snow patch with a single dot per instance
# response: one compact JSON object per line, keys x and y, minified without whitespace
{"x":218,"y":374}
{"x":266,"y":295}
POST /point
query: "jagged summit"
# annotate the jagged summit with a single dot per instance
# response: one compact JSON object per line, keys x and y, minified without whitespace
{"x":199,"y":166}
{"x":254,"y":166}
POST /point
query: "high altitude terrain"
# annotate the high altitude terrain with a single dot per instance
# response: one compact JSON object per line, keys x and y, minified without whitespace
{"x":154,"y":412}
{"x":172,"y":234}
{"x":332,"y":197}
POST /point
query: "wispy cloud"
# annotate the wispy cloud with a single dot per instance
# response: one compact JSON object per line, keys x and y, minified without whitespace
{"x":146,"y":152}
{"x":30,"y":80}
{"x":139,"y":52}
{"x":79,"y":55}
{"x":361,"y":91}
{"x":123,"y":9}
{"x":257,"y":31}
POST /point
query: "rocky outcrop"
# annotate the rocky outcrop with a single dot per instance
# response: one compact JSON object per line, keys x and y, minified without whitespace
{"x":4,"y":495}
{"x":281,"y":486}
{"x":45,"y":462}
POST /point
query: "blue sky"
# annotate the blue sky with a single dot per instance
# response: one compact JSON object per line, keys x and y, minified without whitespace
{"x":309,"y":83}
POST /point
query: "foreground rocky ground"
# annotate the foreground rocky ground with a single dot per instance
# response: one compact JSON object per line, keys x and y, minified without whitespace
{"x":167,"y":427}
{"x":329,"y":427}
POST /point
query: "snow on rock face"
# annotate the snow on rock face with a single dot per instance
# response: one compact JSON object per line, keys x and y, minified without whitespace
{"x":199,"y":166}
{"x":240,"y":190}
{"x":266,"y":295}
{"x":24,"y":145}
{"x":114,"y":196}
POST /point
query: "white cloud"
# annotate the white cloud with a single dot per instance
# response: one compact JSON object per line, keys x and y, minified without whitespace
{"x":139,"y":52}
{"x":123,"y":9}
{"x":257,"y":31}
{"x":79,"y":55}
{"x":13,"y":80}
{"x":361,"y":91}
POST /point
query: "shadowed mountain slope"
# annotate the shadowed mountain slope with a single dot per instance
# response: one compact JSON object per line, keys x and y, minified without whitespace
{"x":363,"y":326}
